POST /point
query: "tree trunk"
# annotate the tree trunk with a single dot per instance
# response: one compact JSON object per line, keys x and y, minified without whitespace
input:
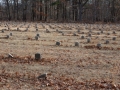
{"x":113,"y":11}
{"x":14,"y":9}
{"x":8,"y":10}
{"x":17,"y":10}
{"x":40,"y":11}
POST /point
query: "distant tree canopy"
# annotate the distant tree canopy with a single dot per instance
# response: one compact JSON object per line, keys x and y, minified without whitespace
{"x":61,"y":10}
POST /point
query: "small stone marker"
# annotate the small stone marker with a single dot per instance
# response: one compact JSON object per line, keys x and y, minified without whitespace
{"x":101,"y":31}
{"x":82,"y":37}
{"x":99,"y":45}
{"x":36,"y":37}
{"x":17,"y":29}
{"x":108,"y":33}
{"x":89,"y":35}
{"x":114,"y":32}
{"x":7,"y":36}
{"x":98,"y":33}
{"x":8,"y":28}
{"x":107,"y":42}
{"x":37,"y":56}
{"x":82,"y":32}
{"x":36,"y":29}
{"x":47,"y":31}
{"x":90,"y":31}
{"x":88,"y":40}
{"x":2,"y":31}
{"x":43,"y":76}
{"x":114,"y":38}
{"x":26,"y":29}
{"x":10,"y":55}
{"x":58,"y":43}
{"x":76,"y":44}
{"x":10,"y":34}
{"x":60,"y":31}
{"x":74,"y":34}
{"x":78,"y":31}
{"x":63,"y":34}
{"x":57,"y":30}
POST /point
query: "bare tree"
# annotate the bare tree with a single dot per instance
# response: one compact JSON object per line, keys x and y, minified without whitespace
{"x":61,"y":10}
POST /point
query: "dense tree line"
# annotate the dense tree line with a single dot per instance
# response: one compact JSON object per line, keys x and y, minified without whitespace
{"x":61,"y":10}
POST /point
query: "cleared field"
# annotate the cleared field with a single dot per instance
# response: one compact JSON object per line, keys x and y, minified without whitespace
{"x":90,"y":65}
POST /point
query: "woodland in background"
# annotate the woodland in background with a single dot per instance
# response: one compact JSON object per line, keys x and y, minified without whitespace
{"x":60,"y":10}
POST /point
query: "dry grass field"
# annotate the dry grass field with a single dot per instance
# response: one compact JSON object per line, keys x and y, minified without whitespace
{"x":93,"y":65}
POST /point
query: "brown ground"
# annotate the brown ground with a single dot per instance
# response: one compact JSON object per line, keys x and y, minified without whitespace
{"x":69,"y":68}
